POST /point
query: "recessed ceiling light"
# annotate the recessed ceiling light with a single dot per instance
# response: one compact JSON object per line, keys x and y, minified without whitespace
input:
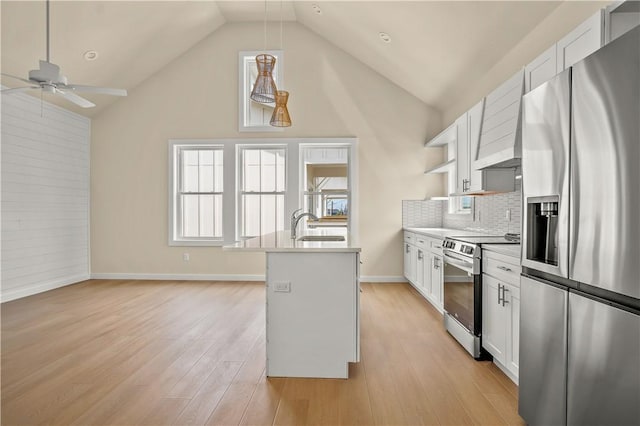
{"x":90,"y":55}
{"x":385,"y":37}
{"x":316,"y":9}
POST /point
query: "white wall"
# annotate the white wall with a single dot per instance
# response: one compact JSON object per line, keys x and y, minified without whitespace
{"x":196,"y":96}
{"x":45,"y":196}
{"x":560,"y":22}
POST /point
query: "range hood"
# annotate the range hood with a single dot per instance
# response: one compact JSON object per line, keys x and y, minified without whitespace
{"x":500,"y":138}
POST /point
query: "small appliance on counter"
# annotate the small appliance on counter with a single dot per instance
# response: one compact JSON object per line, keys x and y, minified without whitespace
{"x":463,"y":297}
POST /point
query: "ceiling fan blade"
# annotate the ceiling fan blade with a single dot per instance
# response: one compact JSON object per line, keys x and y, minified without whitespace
{"x":82,"y":102}
{"x":93,"y":89}
{"x":18,"y":78}
{"x":18,"y":89}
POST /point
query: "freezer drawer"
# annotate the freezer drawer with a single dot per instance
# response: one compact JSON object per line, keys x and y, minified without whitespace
{"x":604,"y":364}
{"x":543,"y":353}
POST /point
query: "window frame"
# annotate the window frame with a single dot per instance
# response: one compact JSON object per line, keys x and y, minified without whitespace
{"x":180,"y":192}
{"x":176,"y":192}
{"x":239,"y":171}
{"x":351,"y":144}
{"x":230,"y":197}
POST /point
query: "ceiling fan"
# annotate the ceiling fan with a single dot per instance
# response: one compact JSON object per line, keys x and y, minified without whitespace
{"x":49,"y":79}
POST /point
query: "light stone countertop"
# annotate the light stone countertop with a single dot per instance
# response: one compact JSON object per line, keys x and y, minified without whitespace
{"x":282,"y":242}
{"x":512,"y":250}
{"x":442,"y":233}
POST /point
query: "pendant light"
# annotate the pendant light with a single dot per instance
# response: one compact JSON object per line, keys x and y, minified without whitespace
{"x":280,"y":116}
{"x":264,"y":90}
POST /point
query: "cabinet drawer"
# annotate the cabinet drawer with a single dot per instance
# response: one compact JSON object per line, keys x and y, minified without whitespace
{"x":421,"y":241}
{"x":409,"y":237}
{"x":435,"y":245}
{"x":501,"y":267}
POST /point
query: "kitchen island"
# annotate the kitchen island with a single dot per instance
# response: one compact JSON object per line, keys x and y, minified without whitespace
{"x":313,"y":303}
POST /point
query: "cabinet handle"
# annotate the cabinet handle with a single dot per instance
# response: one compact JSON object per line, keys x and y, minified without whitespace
{"x":421,"y":241}
{"x":504,"y":299}
{"x":504,"y":268}
{"x":500,"y":297}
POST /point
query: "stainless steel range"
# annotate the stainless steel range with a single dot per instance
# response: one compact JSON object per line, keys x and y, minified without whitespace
{"x":463,"y":289}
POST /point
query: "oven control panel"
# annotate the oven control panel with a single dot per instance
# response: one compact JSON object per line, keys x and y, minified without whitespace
{"x":465,"y":249}
{"x":459,"y":247}
{"x":448,"y":244}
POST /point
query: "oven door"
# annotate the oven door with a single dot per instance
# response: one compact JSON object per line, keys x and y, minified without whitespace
{"x":462,"y":292}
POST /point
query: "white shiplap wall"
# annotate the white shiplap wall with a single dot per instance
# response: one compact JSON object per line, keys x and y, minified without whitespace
{"x":45,"y":196}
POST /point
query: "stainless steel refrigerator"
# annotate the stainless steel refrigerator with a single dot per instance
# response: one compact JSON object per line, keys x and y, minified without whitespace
{"x":580,"y":289}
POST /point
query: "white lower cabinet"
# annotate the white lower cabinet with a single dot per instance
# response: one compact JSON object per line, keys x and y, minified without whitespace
{"x":423,"y":266}
{"x":494,"y":319}
{"x":501,"y":312}
{"x":436,"y":281}
{"x":513,"y":359}
{"x":420,"y":268}
{"x":410,"y":258}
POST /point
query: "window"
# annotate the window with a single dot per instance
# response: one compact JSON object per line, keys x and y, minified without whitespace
{"x":199,"y":183}
{"x":326,"y":171}
{"x":262,"y":190}
{"x":224,"y":190}
{"x":255,"y":116}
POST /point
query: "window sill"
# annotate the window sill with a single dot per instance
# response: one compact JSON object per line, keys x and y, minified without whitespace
{"x":196,"y":243}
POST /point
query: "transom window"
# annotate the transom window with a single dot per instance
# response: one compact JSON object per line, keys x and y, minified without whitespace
{"x":255,"y":116}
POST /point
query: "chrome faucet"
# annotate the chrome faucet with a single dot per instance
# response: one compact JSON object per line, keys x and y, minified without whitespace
{"x":296,"y":219}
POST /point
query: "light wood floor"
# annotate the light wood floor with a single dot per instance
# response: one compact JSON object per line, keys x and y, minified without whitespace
{"x":134,"y":352}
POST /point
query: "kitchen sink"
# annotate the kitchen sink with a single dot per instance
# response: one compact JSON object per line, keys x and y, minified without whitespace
{"x":321,"y":238}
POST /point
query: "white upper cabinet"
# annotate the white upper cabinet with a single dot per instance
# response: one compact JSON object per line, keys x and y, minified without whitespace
{"x":541,"y":69}
{"x":620,"y":17}
{"x":585,"y":39}
{"x":470,"y":180}
{"x":500,"y":144}
{"x":462,"y":154}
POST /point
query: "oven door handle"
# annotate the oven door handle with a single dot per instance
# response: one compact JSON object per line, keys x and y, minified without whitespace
{"x":458,"y":263}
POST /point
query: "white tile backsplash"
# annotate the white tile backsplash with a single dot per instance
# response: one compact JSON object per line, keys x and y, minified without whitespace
{"x":489,"y":214}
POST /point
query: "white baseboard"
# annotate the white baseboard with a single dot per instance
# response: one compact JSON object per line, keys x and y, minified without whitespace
{"x":175,"y":277}
{"x":18,"y":293}
{"x":506,"y":371}
{"x":382,"y":279}
{"x":221,"y":277}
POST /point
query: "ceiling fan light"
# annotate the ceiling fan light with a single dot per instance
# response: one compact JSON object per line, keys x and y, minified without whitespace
{"x":280,"y":117}
{"x":264,"y":90}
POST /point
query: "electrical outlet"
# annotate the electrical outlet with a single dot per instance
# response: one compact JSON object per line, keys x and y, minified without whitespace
{"x":282,"y":286}
{"x":507,"y":215}
{"x":185,"y":257}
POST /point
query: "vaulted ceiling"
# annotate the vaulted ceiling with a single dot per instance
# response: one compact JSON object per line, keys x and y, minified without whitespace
{"x":434,"y":44}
